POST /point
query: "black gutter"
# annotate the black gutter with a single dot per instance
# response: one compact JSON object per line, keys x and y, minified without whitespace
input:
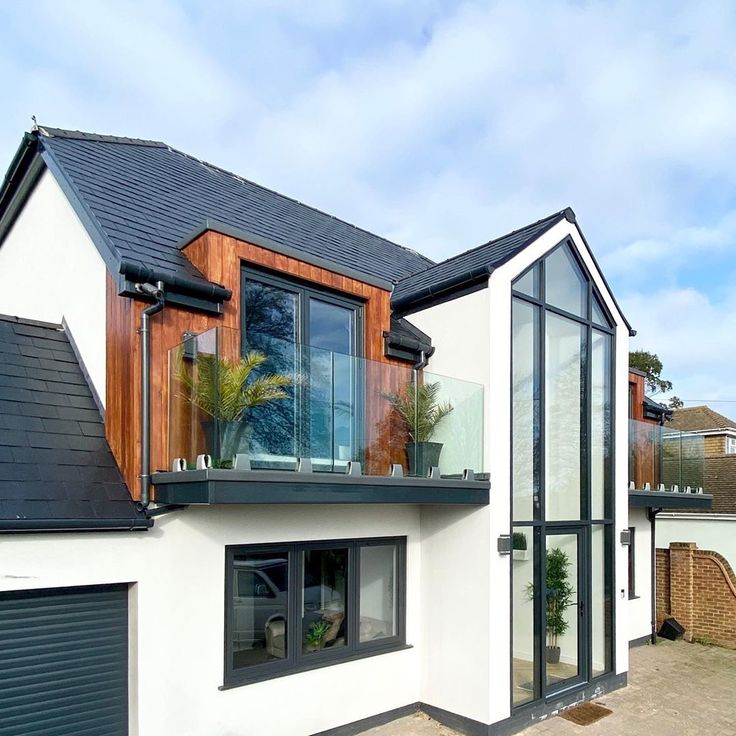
{"x":141,"y":524}
{"x":466,"y":278}
{"x":139,"y":273}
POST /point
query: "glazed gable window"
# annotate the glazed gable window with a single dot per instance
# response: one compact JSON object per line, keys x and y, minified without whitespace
{"x":293,"y":607}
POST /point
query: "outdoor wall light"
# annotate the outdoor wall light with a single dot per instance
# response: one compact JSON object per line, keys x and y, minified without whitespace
{"x":626,"y":537}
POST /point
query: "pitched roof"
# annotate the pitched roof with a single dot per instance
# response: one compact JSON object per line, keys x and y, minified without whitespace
{"x":699,"y":418}
{"x":147,"y":199}
{"x":472,"y":264}
{"x":56,"y":468}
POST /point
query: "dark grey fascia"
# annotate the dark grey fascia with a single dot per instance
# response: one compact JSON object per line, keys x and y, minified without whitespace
{"x":215,"y":486}
{"x":285,"y":250}
{"x":24,"y":171}
{"x":443,"y":291}
{"x":126,"y":287}
{"x":141,"y":524}
{"x":669,"y":500}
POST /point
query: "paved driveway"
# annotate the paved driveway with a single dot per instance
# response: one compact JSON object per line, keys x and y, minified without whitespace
{"x":675,"y":689}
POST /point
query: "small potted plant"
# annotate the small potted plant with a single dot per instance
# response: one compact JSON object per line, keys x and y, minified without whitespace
{"x":225,"y":390}
{"x":422,"y":413}
{"x":315,"y":636}
{"x":518,"y":544}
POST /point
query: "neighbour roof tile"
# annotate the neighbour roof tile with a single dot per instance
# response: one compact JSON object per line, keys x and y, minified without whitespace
{"x":699,"y":418}
{"x":55,"y":463}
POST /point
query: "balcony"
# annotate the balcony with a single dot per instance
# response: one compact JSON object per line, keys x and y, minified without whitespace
{"x":666,"y":467}
{"x":261,"y":420}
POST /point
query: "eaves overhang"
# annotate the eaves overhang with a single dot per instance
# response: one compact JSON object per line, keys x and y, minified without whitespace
{"x":138,"y":524}
{"x":669,"y":500}
{"x":214,"y":486}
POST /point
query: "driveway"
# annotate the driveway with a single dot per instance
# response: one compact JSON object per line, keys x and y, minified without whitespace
{"x":674,"y":688}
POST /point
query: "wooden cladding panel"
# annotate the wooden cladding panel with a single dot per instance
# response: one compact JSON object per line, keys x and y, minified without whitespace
{"x":220,"y":258}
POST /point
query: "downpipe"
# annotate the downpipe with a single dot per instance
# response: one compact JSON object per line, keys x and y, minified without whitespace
{"x":652,"y":516}
{"x":157,"y":293}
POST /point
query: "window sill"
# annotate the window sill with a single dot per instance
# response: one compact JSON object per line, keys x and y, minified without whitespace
{"x":634,"y":597}
{"x":241,"y":680}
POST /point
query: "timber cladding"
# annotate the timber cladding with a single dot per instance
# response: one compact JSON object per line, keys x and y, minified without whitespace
{"x":220,"y":258}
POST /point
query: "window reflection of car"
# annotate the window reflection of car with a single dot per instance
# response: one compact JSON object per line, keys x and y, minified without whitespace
{"x":260,"y":599}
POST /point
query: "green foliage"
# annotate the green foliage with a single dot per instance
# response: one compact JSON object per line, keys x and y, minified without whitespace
{"x":559,"y":594}
{"x":316,"y":633}
{"x":419,"y":408}
{"x":224,"y":389}
{"x":518,"y":540}
{"x":651,"y":366}
{"x":676,"y":403}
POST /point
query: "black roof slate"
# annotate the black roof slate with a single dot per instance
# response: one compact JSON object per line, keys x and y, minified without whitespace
{"x":55,"y":463}
{"x":472,"y":264}
{"x":145,"y":198}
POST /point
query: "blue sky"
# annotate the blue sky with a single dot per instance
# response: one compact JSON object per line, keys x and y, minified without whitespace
{"x":439,"y":125}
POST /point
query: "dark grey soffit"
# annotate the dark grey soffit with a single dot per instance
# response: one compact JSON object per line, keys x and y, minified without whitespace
{"x":669,"y":500}
{"x":287,"y":487}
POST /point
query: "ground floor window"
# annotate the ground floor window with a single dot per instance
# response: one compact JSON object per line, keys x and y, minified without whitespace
{"x":291,"y":607}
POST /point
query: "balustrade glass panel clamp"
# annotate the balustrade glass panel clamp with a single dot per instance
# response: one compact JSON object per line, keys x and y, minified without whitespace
{"x":673,"y":489}
{"x":353,"y":468}
{"x":434,"y":473}
{"x":626,"y":537}
{"x":660,"y":486}
{"x":699,"y":489}
{"x":178,"y":465}
{"x":304,"y":465}
{"x":241,"y":461}
{"x":503,"y":545}
{"x":688,"y":489}
{"x":468,"y":474}
{"x":204,"y":462}
{"x":647,"y":486}
{"x":397,"y":470}
{"x":632,"y":485}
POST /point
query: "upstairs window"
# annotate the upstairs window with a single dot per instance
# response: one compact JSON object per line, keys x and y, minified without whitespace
{"x":730,"y":445}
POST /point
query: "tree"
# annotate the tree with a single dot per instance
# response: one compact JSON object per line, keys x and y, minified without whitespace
{"x":676,"y":403}
{"x":651,"y":366}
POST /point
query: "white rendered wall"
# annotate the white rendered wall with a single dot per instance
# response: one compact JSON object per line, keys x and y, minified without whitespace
{"x":716,"y":532}
{"x":179,"y":568}
{"x":640,"y":608}
{"x":50,"y":269}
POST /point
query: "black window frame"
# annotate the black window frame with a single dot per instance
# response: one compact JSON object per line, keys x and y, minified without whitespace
{"x":296,"y":660}
{"x":632,"y":564}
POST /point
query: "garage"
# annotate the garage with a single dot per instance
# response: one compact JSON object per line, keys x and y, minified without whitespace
{"x":64,"y":662}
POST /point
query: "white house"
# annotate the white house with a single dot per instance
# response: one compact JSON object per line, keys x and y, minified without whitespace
{"x":422,"y":510}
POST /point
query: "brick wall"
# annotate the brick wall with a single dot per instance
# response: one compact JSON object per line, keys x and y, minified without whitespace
{"x":714,"y":445}
{"x":698,"y":588}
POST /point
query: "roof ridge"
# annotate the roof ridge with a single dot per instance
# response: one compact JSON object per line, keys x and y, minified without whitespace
{"x":81,"y":135}
{"x":243,"y":179}
{"x":31,"y":322}
{"x":564,"y":212}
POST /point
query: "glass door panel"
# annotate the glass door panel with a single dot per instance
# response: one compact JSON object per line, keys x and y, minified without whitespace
{"x":525,"y":663}
{"x":564,"y":609}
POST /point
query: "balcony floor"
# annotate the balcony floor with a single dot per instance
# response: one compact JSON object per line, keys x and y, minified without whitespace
{"x":214,"y":486}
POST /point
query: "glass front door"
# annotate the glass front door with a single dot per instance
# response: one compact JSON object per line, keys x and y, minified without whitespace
{"x":564,"y":612}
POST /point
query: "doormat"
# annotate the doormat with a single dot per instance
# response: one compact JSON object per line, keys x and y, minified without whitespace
{"x":585,"y":713}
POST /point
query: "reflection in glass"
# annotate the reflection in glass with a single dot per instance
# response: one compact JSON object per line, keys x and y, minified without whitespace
{"x":528,"y":283}
{"x":600,"y":604}
{"x":525,"y":409}
{"x":525,"y":685}
{"x":378,"y":592}
{"x":564,"y":284}
{"x":324,"y":599}
{"x":561,"y":609}
{"x":260,"y":607}
{"x":600,"y":430}
{"x":599,"y":314}
{"x":563,"y":417}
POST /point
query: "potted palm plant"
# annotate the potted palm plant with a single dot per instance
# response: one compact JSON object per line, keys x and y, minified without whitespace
{"x":422,"y":413}
{"x":225,"y":390}
{"x":559,"y":598}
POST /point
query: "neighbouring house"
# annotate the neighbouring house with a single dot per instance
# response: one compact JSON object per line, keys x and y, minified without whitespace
{"x":279,"y":475}
{"x":666,"y":471}
{"x":714,"y":528}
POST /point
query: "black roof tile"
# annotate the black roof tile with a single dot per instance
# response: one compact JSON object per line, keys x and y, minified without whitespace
{"x":55,"y":463}
{"x":471,"y":264}
{"x":146,"y":198}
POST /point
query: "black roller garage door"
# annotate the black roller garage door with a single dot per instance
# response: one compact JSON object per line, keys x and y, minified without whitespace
{"x":64,"y":662}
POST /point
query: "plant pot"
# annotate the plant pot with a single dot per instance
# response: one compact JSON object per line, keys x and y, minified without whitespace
{"x":226,"y":439}
{"x":422,"y":456}
{"x":553,"y":655}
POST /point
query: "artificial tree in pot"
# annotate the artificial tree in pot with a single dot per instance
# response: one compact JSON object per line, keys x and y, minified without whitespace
{"x":422,"y":413}
{"x":225,"y":390}
{"x":559,"y":598}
